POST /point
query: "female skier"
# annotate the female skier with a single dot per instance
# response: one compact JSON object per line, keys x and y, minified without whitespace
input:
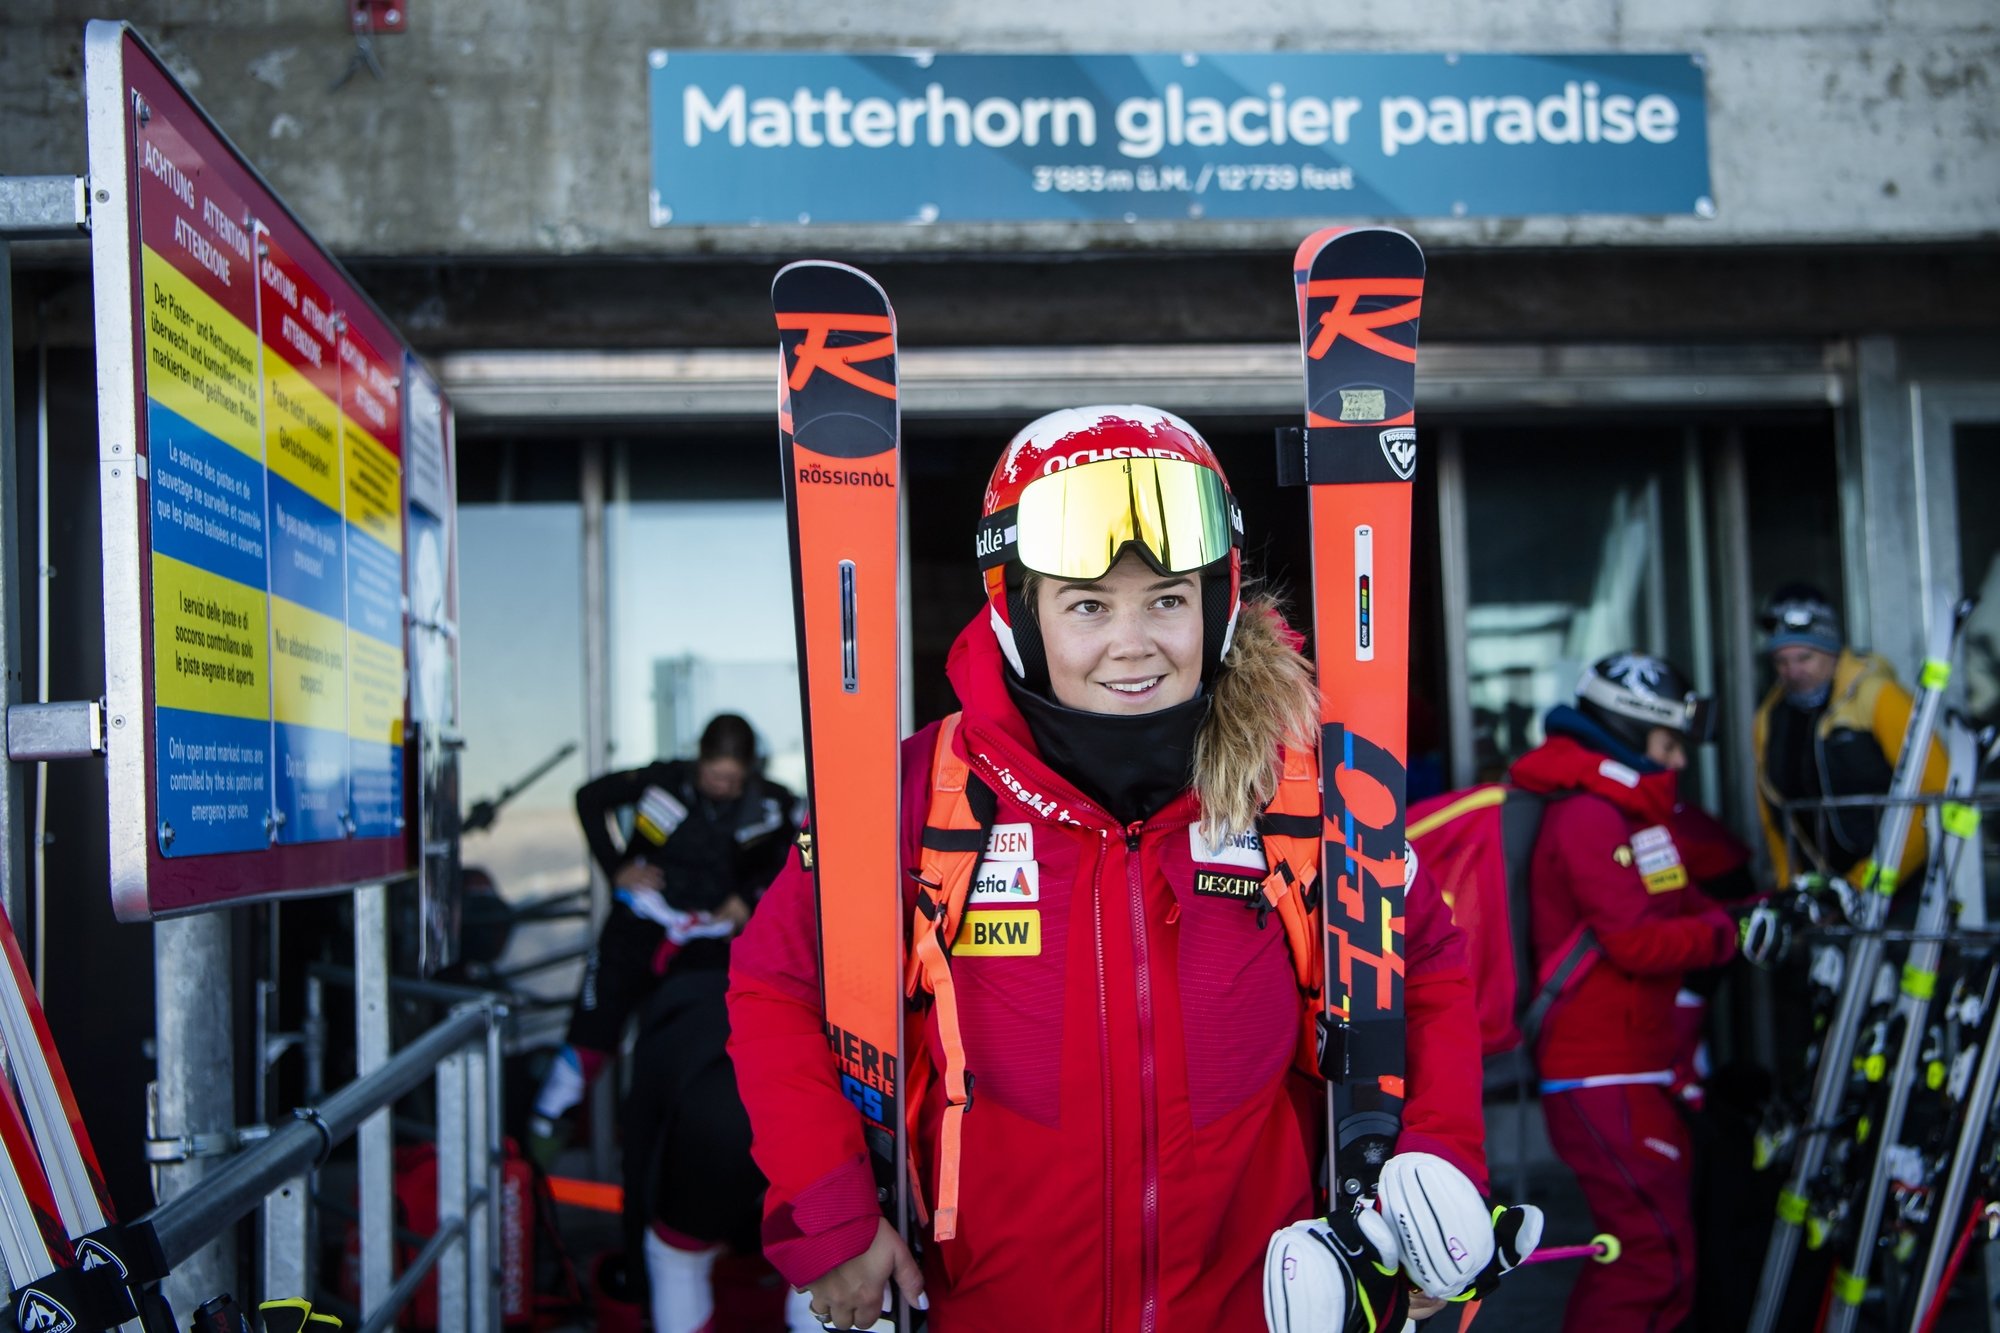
{"x":1129,"y":1012}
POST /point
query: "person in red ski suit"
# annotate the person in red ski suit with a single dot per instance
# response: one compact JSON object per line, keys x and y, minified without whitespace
{"x":1619,"y":857}
{"x":1138,"y":1126}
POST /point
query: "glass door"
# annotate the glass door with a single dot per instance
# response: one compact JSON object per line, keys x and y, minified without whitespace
{"x":699,"y":607}
{"x":1578,"y":546}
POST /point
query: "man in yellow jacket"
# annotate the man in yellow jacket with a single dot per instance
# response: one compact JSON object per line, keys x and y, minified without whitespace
{"x":1832,"y":725}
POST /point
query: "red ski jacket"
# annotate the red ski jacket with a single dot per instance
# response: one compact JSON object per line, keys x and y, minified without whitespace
{"x":1137,"y":1130}
{"x":1623,"y":858}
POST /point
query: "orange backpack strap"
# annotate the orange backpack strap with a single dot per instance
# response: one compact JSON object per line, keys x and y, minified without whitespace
{"x":1290,"y":828}
{"x":954,"y":839}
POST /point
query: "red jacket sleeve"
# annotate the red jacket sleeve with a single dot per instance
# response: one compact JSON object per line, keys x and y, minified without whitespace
{"x":1713,"y":854}
{"x":1442,"y":1070}
{"x":820,"y":1208}
{"x":1640,"y":932}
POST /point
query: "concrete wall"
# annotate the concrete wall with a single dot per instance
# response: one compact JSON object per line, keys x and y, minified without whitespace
{"x":517,"y":128}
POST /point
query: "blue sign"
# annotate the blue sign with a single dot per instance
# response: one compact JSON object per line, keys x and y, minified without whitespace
{"x":781,"y":137}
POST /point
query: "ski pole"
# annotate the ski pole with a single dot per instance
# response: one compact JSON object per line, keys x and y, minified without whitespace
{"x":1603,"y":1248}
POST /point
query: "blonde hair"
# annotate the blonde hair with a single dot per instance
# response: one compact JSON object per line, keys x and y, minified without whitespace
{"x":1265,"y":696}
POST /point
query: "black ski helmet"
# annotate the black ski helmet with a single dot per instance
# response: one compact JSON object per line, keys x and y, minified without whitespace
{"x":1628,"y":694}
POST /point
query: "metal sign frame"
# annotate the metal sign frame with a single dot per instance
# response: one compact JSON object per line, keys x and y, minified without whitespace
{"x":127,"y":88}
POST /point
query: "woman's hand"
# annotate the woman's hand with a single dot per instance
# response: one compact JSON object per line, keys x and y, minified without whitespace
{"x":1423,"y":1307}
{"x":850,"y":1296}
{"x":734,"y":910}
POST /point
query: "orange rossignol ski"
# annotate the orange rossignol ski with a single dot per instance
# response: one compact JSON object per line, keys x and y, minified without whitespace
{"x":1359,"y":292}
{"x":839,"y":430}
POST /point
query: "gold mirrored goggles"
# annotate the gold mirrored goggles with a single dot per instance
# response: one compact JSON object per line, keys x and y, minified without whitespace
{"x":1074,"y":523}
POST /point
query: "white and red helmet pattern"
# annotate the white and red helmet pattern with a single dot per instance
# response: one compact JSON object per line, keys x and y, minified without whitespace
{"x":1078,"y":437}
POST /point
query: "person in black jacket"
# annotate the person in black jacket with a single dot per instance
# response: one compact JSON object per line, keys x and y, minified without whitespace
{"x":706,"y":837}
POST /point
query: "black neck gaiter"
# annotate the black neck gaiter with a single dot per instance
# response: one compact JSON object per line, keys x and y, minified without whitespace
{"x":1131,"y":764}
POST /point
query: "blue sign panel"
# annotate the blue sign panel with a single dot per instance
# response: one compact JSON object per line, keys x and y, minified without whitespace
{"x":780,"y":137}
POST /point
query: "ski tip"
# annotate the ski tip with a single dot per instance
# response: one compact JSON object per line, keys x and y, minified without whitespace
{"x":815,"y":271}
{"x":1302,"y":257}
{"x":1310,"y":248}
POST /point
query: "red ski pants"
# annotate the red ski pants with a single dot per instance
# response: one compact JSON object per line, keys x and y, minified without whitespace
{"x":1632,"y":1155}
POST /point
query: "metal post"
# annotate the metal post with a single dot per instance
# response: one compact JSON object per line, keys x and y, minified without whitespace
{"x":13,"y":813}
{"x":1701,"y":605}
{"x":1884,"y":513}
{"x":456,"y":1277}
{"x":1738,"y":644}
{"x":481,"y":1221}
{"x":371,"y":1052}
{"x":196,"y":1078}
{"x":497,"y":1177}
{"x":1455,"y":573}
{"x":286,"y":1244}
{"x":1655,"y":585}
{"x":315,"y":1039}
{"x":597,"y":749}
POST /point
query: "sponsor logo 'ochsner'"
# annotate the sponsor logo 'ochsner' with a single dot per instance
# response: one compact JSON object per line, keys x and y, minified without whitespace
{"x":831,"y":476}
{"x":1078,"y":457}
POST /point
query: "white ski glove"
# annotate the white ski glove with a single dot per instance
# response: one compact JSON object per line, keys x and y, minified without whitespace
{"x":1517,"y":1233}
{"x":1335,"y":1275}
{"x":1444,"y":1229}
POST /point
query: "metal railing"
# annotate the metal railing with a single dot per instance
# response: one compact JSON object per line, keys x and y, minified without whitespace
{"x":529,"y":1022}
{"x":463,"y":1055}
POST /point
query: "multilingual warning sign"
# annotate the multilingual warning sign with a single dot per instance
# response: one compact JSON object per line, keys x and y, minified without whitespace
{"x":251,"y":422}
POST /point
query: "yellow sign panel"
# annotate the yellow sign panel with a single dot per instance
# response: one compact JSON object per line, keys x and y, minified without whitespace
{"x":308,"y":667}
{"x":374,"y":487}
{"x":1016,"y":933}
{"x":209,"y":653}
{"x":201,"y":361}
{"x":301,"y":427}
{"x":374,"y":690}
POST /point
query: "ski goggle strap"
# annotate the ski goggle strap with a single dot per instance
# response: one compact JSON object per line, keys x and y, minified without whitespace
{"x":1692,"y":715}
{"x":1074,"y":523}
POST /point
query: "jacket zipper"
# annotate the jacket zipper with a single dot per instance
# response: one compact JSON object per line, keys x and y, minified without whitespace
{"x":1104,"y":1064}
{"x":1149,"y":1110}
{"x":1148,"y":1072}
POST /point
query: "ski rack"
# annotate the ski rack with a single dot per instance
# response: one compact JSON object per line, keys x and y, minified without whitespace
{"x":1976,"y":1137}
{"x":1906,"y":1025}
{"x":1877,"y":880}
